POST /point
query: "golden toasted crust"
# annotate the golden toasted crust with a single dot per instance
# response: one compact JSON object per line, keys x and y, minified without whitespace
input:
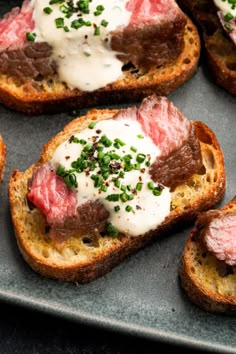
{"x":219,"y":48}
{"x":2,"y":158}
{"x":209,"y":283}
{"x":51,"y":96}
{"x":82,"y":259}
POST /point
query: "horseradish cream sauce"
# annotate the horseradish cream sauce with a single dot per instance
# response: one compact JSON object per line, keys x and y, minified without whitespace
{"x":133,"y":217}
{"x":226,"y":7}
{"x":84,"y":57}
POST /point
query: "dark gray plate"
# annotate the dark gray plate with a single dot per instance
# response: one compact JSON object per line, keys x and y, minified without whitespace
{"x":142,"y":296}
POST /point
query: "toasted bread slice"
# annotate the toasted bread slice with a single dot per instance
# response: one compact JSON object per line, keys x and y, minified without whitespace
{"x":82,"y":259}
{"x":208,"y":281}
{"x":219,"y":48}
{"x":47,"y":96}
{"x":2,"y":158}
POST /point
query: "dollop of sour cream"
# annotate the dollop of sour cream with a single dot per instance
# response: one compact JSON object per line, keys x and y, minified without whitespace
{"x":135,"y":216}
{"x":226,"y":7}
{"x":83,"y":55}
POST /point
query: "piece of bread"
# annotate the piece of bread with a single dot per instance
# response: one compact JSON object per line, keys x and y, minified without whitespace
{"x":82,"y":259}
{"x":2,"y":158}
{"x":53,"y":96}
{"x":208,"y":281}
{"x":219,"y":48}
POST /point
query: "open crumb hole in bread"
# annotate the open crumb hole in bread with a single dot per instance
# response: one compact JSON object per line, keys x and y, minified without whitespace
{"x":186,"y":61}
{"x":209,"y":160}
{"x":90,"y":241}
{"x":224,"y":270}
{"x":231,"y":66}
{"x":45,"y":253}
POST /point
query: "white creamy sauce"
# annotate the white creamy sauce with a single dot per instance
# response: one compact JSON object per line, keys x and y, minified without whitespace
{"x":148,"y":210}
{"x":85,"y":60}
{"x":225,"y":7}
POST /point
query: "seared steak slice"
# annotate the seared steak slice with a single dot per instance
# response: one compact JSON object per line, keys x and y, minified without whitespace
{"x":154,"y":36}
{"x":218,"y":232}
{"x":176,"y":138}
{"x":180,"y":164}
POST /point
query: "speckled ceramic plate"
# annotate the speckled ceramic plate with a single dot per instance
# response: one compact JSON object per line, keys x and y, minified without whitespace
{"x":142,"y":296}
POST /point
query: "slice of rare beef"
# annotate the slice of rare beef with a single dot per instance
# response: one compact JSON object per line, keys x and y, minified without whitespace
{"x":218,"y":232}
{"x":175,"y":136}
{"x":58,"y":204}
{"x":154,"y":35}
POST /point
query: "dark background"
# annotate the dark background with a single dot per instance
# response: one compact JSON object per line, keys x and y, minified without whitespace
{"x":25,"y":331}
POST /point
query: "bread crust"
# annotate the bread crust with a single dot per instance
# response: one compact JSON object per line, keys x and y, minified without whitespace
{"x":137,"y":83}
{"x":2,"y":158}
{"x":219,"y":48}
{"x":208,"y":282}
{"x":79,"y":261}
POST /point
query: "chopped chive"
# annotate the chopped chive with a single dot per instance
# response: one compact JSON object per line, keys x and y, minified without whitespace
{"x":66,"y":29}
{"x":98,"y":181}
{"x":130,"y":197}
{"x":87,"y":147}
{"x":96,"y":31}
{"x":92,"y":125}
{"x":140,"y":158}
{"x":123,"y":188}
{"x":118,"y":141}
{"x":48,"y":10}
{"x":111,"y":230}
{"x":59,"y":22}
{"x":106,"y":159}
{"x":103,"y":188}
{"x":136,"y":166}
{"x":132,"y":148}
{"x":83,"y":142}
{"x":60,"y":170}
{"x":157,"y":191}
{"x":140,"y":136}
{"x":104,"y":23}
{"x":117,"y":208}
{"x":228,"y":16}
{"x":97,"y":13}
{"x":106,"y":174}
{"x":30,"y":36}
{"x":100,"y":7}
{"x":52,"y":2}
{"x":150,"y":185}
{"x":117,"y":183}
{"x":139,"y":186}
{"x":228,"y":27}
{"x":113,"y":197}
{"x":128,"y":208}
{"x":124,"y":197}
{"x":76,"y":24}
